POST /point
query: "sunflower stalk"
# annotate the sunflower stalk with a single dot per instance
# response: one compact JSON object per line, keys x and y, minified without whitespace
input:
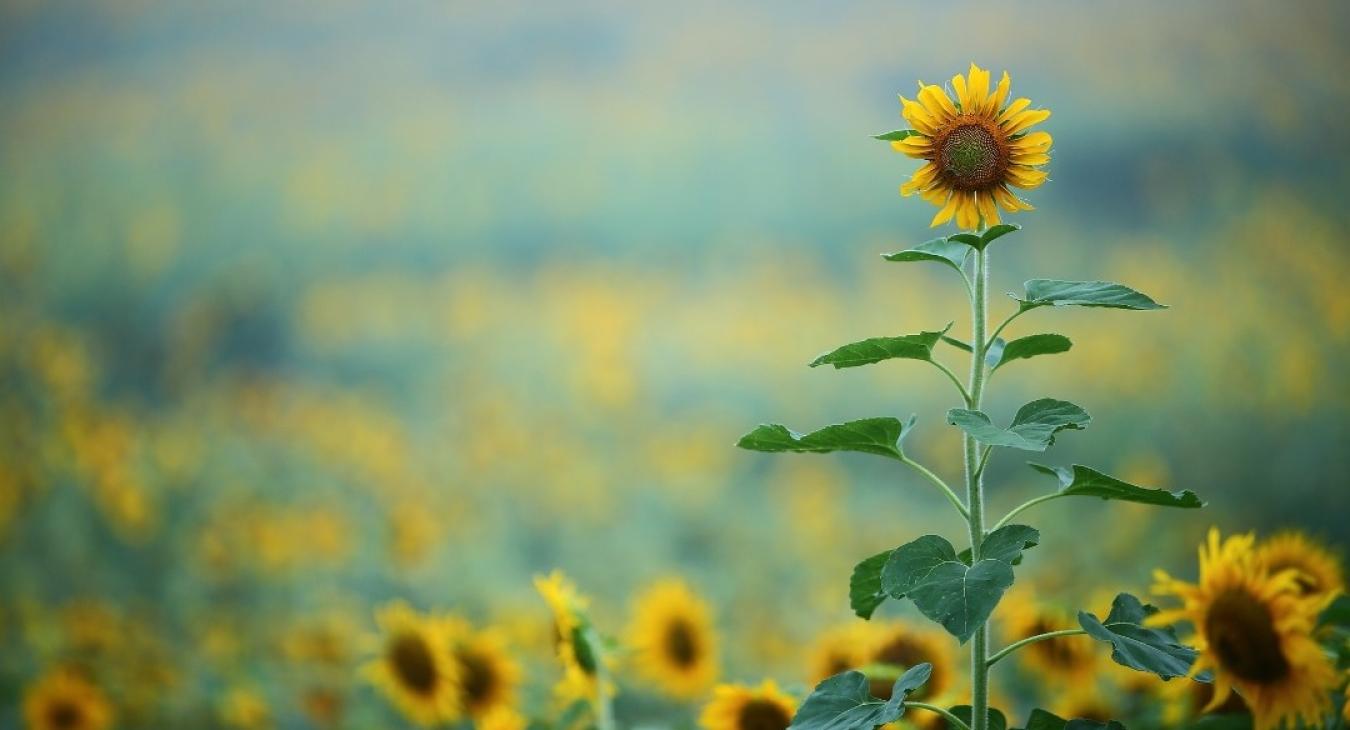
{"x":979,"y":644}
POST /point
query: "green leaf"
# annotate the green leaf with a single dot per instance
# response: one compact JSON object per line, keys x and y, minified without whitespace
{"x":1033,"y":428}
{"x":876,"y":349}
{"x":1086,"y":482}
{"x":895,"y":135}
{"x":958,"y":344}
{"x":864,"y":586}
{"x":970,"y":239}
{"x":1136,"y":646}
{"x":997,"y":231}
{"x":880,"y":436}
{"x":960,"y":597}
{"x":939,"y":249}
{"x":1057,"y":293}
{"x":996,"y":719}
{"x":1007,"y":543}
{"x":1093,"y":725}
{"x":1336,"y":615}
{"x":1042,"y":720}
{"x":1027,"y":347}
{"x":843,"y":702}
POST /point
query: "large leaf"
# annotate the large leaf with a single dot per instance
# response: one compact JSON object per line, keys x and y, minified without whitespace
{"x":1001,"y":353}
{"x":960,"y":597}
{"x":996,"y":719}
{"x":1137,"y":646}
{"x":876,"y":349}
{"x":940,"y":250}
{"x":880,"y":436}
{"x":842,"y":702}
{"x":1086,"y":482}
{"x":997,"y":231}
{"x":864,"y":586}
{"x":1007,"y":543}
{"x":1033,"y":428}
{"x":1058,"y":293}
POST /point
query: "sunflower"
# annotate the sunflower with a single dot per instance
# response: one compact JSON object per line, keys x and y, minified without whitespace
{"x":501,"y":717}
{"x":1254,"y":631}
{"x":739,"y":707}
{"x":1083,"y":702}
{"x":902,"y":646}
{"x":488,"y":676}
{"x":1184,"y":700}
{"x":1318,"y":569}
{"x":65,"y":700}
{"x":1068,"y":659}
{"x":415,"y":668}
{"x":975,"y":147}
{"x":840,"y":648}
{"x":672,"y":639}
{"x":576,"y":652}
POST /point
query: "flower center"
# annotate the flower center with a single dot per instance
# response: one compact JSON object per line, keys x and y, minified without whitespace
{"x":681,"y":646}
{"x":1240,"y":631}
{"x":969,"y":155}
{"x":904,"y":653}
{"x":762,"y":715}
{"x":413,"y":663}
{"x":479,"y":681}
{"x":64,"y":715}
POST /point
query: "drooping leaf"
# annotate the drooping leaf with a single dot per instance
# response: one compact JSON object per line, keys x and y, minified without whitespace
{"x":843,"y":702}
{"x":864,"y":586}
{"x":996,"y":719}
{"x":1033,"y":427}
{"x":1007,"y":543}
{"x":960,"y":597}
{"x":1135,"y":645}
{"x":1086,"y":482}
{"x":941,"y":250}
{"x":876,"y":349}
{"x":1028,"y":347}
{"x":1059,"y":293}
{"x":880,"y":436}
{"x":895,"y":135}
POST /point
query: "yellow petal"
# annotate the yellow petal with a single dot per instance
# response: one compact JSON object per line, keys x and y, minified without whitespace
{"x":967,"y":215}
{"x":936,"y":195}
{"x":1014,"y":108}
{"x":946,"y":213}
{"x":1030,"y":158}
{"x":1031,"y":142}
{"x":1026,"y":178}
{"x":917,"y":116}
{"x":937,"y":103}
{"x":921,"y":179}
{"x":1006,"y":199}
{"x":979,"y":88}
{"x":914,"y":146}
{"x":962,"y":95}
{"x":1026,"y":119}
{"x":988,"y":211}
{"x":1000,"y":95}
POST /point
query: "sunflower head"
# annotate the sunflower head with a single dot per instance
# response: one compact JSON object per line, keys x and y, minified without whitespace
{"x":414,"y":667}
{"x":1067,"y":660}
{"x":672,"y":638}
{"x":975,"y":148}
{"x":64,"y":699}
{"x":488,"y":676}
{"x":902,"y":646}
{"x":1317,"y":570}
{"x":576,"y":653}
{"x":1253,"y":629}
{"x":841,"y":648}
{"x":740,"y":707}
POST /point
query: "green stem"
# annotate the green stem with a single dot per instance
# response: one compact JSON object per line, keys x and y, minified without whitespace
{"x":984,"y":459}
{"x":604,"y":708}
{"x":1026,"y":505}
{"x":955,"y":380}
{"x":953,"y":719}
{"x":999,"y":329}
{"x":1005,"y":651}
{"x":979,"y":644}
{"x":937,"y":481}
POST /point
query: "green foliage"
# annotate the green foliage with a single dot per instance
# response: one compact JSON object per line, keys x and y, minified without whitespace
{"x":996,"y":719}
{"x":876,"y":349}
{"x":1042,"y":720}
{"x":880,"y":436}
{"x":1135,"y":645}
{"x":958,"y":344}
{"x":843,"y":702}
{"x":895,"y":135}
{"x":1033,"y":427}
{"x":1087,"y":482}
{"x":979,"y":241}
{"x":940,"y":250}
{"x":944,"y":588}
{"x":1001,"y":353}
{"x":1337,"y":615}
{"x":864,"y":586}
{"x":1057,"y":293}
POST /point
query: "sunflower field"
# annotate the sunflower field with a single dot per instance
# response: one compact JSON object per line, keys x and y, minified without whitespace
{"x":633,"y":366}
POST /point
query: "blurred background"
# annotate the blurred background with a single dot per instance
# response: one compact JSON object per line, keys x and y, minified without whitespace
{"x":305,"y":307}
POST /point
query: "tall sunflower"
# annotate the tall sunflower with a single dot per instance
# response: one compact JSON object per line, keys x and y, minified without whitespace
{"x":1065,"y":660}
{"x":414,"y":667}
{"x":740,"y":707}
{"x":581,"y":675}
{"x":902,"y":646}
{"x":64,"y":699}
{"x":673,"y":640}
{"x":1318,"y":570}
{"x":1254,"y":631}
{"x":488,"y":676}
{"x":975,"y":147}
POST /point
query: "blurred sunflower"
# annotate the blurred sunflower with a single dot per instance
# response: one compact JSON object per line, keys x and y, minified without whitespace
{"x":839,"y":649}
{"x":415,"y":668}
{"x":975,"y":147}
{"x":672,"y":639}
{"x":1083,"y":701}
{"x":1253,"y":630}
{"x":1068,"y":659}
{"x":740,"y":707}
{"x":244,"y":709}
{"x":63,"y":699}
{"x":581,"y":666}
{"x":902,"y":646}
{"x":1183,"y":700}
{"x":488,"y":676}
{"x":501,"y":717}
{"x":1318,"y":570}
